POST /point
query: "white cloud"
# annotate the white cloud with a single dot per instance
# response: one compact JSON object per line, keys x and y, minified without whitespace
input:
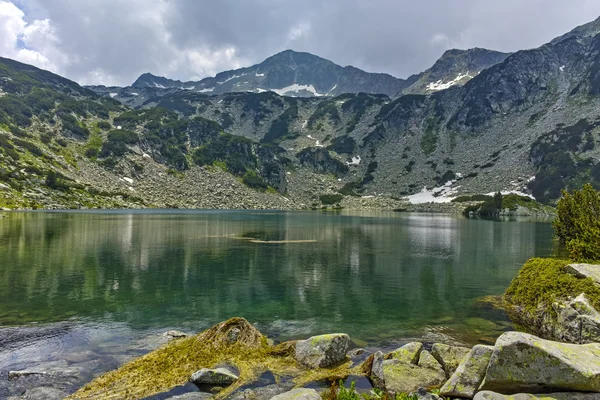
{"x":298,"y":31}
{"x":32,"y":43}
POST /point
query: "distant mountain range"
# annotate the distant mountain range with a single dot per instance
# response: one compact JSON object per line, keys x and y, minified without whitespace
{"x":296,"y":74}
{"x":476,"y":122}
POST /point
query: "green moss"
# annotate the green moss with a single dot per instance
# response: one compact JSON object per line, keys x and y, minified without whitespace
{"x":173,"y":364}
{"x":541,"y":282}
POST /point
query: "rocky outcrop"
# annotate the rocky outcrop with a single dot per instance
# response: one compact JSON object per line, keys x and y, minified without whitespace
{"x":524,"y":363}
{"x":470,"y":373}
{"x":322,"y":351}
{"x":449,"y":357}
{"x":298,"y":394}
{"x":221,"y":377}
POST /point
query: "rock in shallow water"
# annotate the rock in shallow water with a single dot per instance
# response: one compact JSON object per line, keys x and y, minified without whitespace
{"x":470,"y":373}
{"x":42,"y":393}
{"x":322,"y":351}
{"x":525,"y":363}
{"x":213,"y":377}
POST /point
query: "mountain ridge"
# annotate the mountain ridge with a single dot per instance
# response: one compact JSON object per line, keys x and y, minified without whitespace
{"x":527,"y":124}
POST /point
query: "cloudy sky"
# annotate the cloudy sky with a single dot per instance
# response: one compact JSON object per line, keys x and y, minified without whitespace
{"x":113,"y":41}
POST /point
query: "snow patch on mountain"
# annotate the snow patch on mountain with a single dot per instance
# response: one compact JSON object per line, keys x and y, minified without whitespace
{"x":440,"y":85}
{"x":295,"y":88}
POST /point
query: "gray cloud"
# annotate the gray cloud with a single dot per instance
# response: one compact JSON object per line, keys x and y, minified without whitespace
{"x":114,"y":41}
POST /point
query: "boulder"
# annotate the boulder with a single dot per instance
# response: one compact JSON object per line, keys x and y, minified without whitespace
{"x":584,"y":271}
{"x":487,"y":395}
{"x":523,"y":363}
{"x":322,"y":351}
{"x":578,"y":321}
{"x":298,"y":394}
{"x":376,"y":373}
{"x":213,"y":377}
{"x":470,"y":373}
{"x":409,"y":353}
{"x":405,"y":377}
{"x":449,"y":357}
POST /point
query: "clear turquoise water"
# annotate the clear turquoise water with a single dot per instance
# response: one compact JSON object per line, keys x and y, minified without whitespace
{"x":378,"y":277}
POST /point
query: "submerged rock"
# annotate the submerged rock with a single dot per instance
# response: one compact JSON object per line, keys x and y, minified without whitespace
{"x":42,"y":393}
{"x":213,"y":377}
{"x":18,"y":374}
{"x":449,"y":357}
{"x":487,"y":395}
{"x":298,"y":394}
{"x":470,"y":373}
{"x":322,"y":351}
{"x":525,"y":363}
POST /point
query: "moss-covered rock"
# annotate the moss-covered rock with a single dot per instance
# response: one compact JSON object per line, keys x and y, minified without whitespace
{"x":234,"y":342}
{"x":470,"y":373}
{"x":408,"y":353}
{"x":449,"y":357}
{"x":542,"y":287}
{"x":523,"y":363}
{"x":403,"y":377}
{"x":298,"y":394}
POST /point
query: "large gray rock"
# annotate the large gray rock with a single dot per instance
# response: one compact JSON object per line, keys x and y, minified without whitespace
{"x":470,"y":373}
{"x":376,"y":374}
{"x":487,"y":395}
{"x":298,"y":394}
{"x":523,"y":363}
{"x":584,"y":271}
{"x":449,"y":357}
{"x":322,"y":351}
{"x":578,"y":321}
{"x":405,"y":377}
{"x":213,"y":377}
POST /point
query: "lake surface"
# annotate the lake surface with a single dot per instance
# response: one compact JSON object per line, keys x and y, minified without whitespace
{"x":104,"y":281}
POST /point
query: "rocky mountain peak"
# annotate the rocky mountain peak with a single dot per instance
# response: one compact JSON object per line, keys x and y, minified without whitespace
{"x":455,"y":68}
